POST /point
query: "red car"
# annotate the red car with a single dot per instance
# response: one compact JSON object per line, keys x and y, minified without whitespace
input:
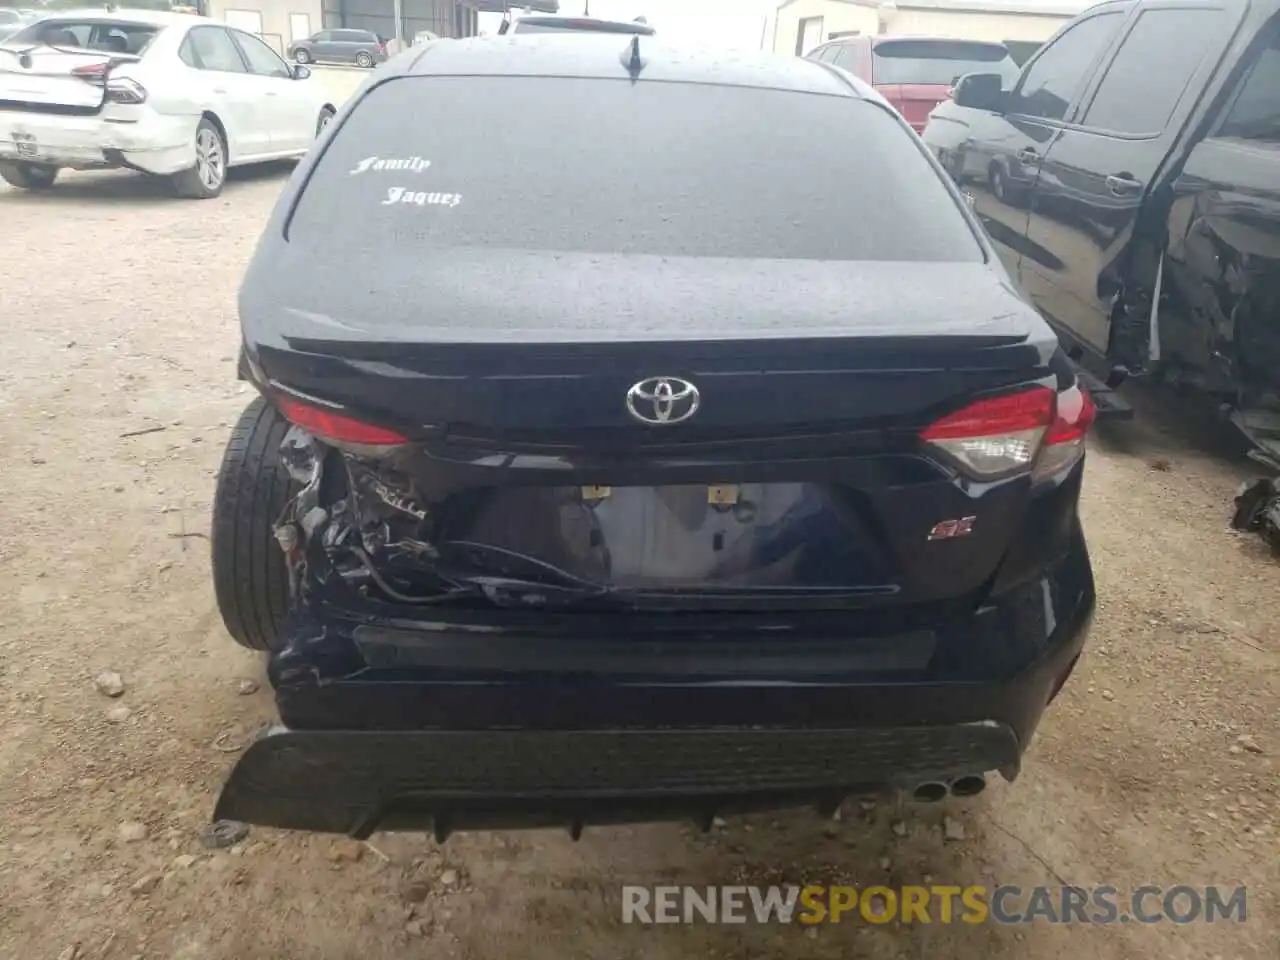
{"x":915,"y":74}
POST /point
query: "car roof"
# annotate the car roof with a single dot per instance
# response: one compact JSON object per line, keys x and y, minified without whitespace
{"x":932,"y":38}
{"x":160,"y":18}
{"x":553,"y":19}
{"x":603,"y":57}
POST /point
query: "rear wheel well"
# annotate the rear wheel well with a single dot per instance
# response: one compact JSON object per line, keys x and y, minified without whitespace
{"x":222,"y":131}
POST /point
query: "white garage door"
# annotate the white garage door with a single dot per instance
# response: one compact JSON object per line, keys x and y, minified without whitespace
{"x":248,"y":20}
{"x":299,"y":26}
{"x":810,"y":34}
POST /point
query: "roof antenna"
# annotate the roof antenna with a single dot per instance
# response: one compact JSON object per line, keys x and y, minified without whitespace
{"x":631,"y":58}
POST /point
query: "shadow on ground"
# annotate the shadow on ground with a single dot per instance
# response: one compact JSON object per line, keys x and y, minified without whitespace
{"x":136,"y":189}
{"x":1167,"y":424}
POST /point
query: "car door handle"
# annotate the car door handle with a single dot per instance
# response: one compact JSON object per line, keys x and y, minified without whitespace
{"x":1122,"y":185}
{"x":1027,"y":155}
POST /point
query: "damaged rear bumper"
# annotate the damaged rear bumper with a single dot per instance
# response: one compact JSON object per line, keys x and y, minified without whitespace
{"x":356,"y":782}
{"x":156,"y":144}
{"x":423,"y":725}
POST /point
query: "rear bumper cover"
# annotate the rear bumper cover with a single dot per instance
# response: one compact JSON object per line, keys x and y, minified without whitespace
{"x":356,"y":782}
{"x":156,"y":144}
{"x":392,"y":726}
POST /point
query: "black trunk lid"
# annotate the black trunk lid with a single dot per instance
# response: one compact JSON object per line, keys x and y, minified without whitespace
{"x":543,"y":347}
{"x":799,"y":480}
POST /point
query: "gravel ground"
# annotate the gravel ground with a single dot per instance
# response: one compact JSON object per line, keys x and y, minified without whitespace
{"x":119,"y":315}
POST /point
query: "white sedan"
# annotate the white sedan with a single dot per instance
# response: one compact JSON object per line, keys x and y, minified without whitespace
{"x":172,"y":95}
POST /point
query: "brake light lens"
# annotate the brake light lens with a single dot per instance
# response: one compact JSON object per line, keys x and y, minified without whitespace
{"x":996,"y":436}
{"x":119,"y":89}
{"x":336,"y":429}
{"x":1064,"y":443}
{"x":1037,"y":429}
{"x":124,"y":90}
{"x":92,"y":72}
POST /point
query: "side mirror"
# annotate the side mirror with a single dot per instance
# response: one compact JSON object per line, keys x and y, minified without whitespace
{"x":981,"y":91}
{"x":300,"y":71}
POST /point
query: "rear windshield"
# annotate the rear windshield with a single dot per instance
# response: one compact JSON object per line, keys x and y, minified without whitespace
{"x":605,"y":166}
{"x":108,"y":36}
{"x":940,"y":62}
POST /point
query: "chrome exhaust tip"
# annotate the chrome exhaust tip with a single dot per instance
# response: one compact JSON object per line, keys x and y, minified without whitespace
{"x":929,"y":792}
{"x":969,"y":786}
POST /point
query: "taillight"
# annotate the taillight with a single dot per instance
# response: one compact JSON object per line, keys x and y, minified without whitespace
{"x":1035,"y":429}
{"x":124,"y":90}
{"x":91,"y":73}
{"x":337,"y":429}
{"x":119,"y":89}
{"x":1064,"y":443}
{"x":996,"y":436}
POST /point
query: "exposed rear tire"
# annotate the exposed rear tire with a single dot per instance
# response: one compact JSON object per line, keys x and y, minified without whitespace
{"x":1001,"y":188}
{"x":364,"y":59}
{"x":302,"y":56}
{"x":28,"y":176}
{"x":250,"y":579}
{"x":205,"y":180}
{"x":953,"y":163}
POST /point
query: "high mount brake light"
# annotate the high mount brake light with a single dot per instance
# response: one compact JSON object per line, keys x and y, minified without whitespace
{"x":1034,"y":429}
{"x":336,"y":428}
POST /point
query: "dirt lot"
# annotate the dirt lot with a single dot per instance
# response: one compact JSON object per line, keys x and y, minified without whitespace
{"x":119,"y":316}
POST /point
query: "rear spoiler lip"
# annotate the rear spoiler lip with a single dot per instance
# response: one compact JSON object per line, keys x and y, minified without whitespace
{"x":19,"y":53}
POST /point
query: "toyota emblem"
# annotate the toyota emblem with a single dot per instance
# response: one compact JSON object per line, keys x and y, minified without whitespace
{"x":663,"y":400}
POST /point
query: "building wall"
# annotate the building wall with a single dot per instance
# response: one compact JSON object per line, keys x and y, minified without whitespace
{"x":961,"y":24}
{"x":836,"y":18}
{"x":974,"y":26}
{"x":271,"y":19}
{"x":444,"y":18}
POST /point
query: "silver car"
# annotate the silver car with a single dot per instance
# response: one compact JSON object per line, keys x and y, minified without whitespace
{"x":364,"y":48}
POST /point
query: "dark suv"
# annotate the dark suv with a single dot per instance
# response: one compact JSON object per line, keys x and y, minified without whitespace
{"x":714,"y":471}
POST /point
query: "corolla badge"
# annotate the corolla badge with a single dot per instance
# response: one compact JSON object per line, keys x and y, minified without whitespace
{"x":663,"y":400}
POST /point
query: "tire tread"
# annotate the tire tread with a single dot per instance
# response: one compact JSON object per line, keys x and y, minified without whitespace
{"x":249,"y":574}
{"x":187,"y":185}
{"x":28,"y":176}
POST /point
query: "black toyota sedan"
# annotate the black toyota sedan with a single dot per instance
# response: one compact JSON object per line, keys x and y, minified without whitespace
{"x":642,"y":433}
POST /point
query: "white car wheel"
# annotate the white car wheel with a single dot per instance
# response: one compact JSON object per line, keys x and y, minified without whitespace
{"x":205,"y":180}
